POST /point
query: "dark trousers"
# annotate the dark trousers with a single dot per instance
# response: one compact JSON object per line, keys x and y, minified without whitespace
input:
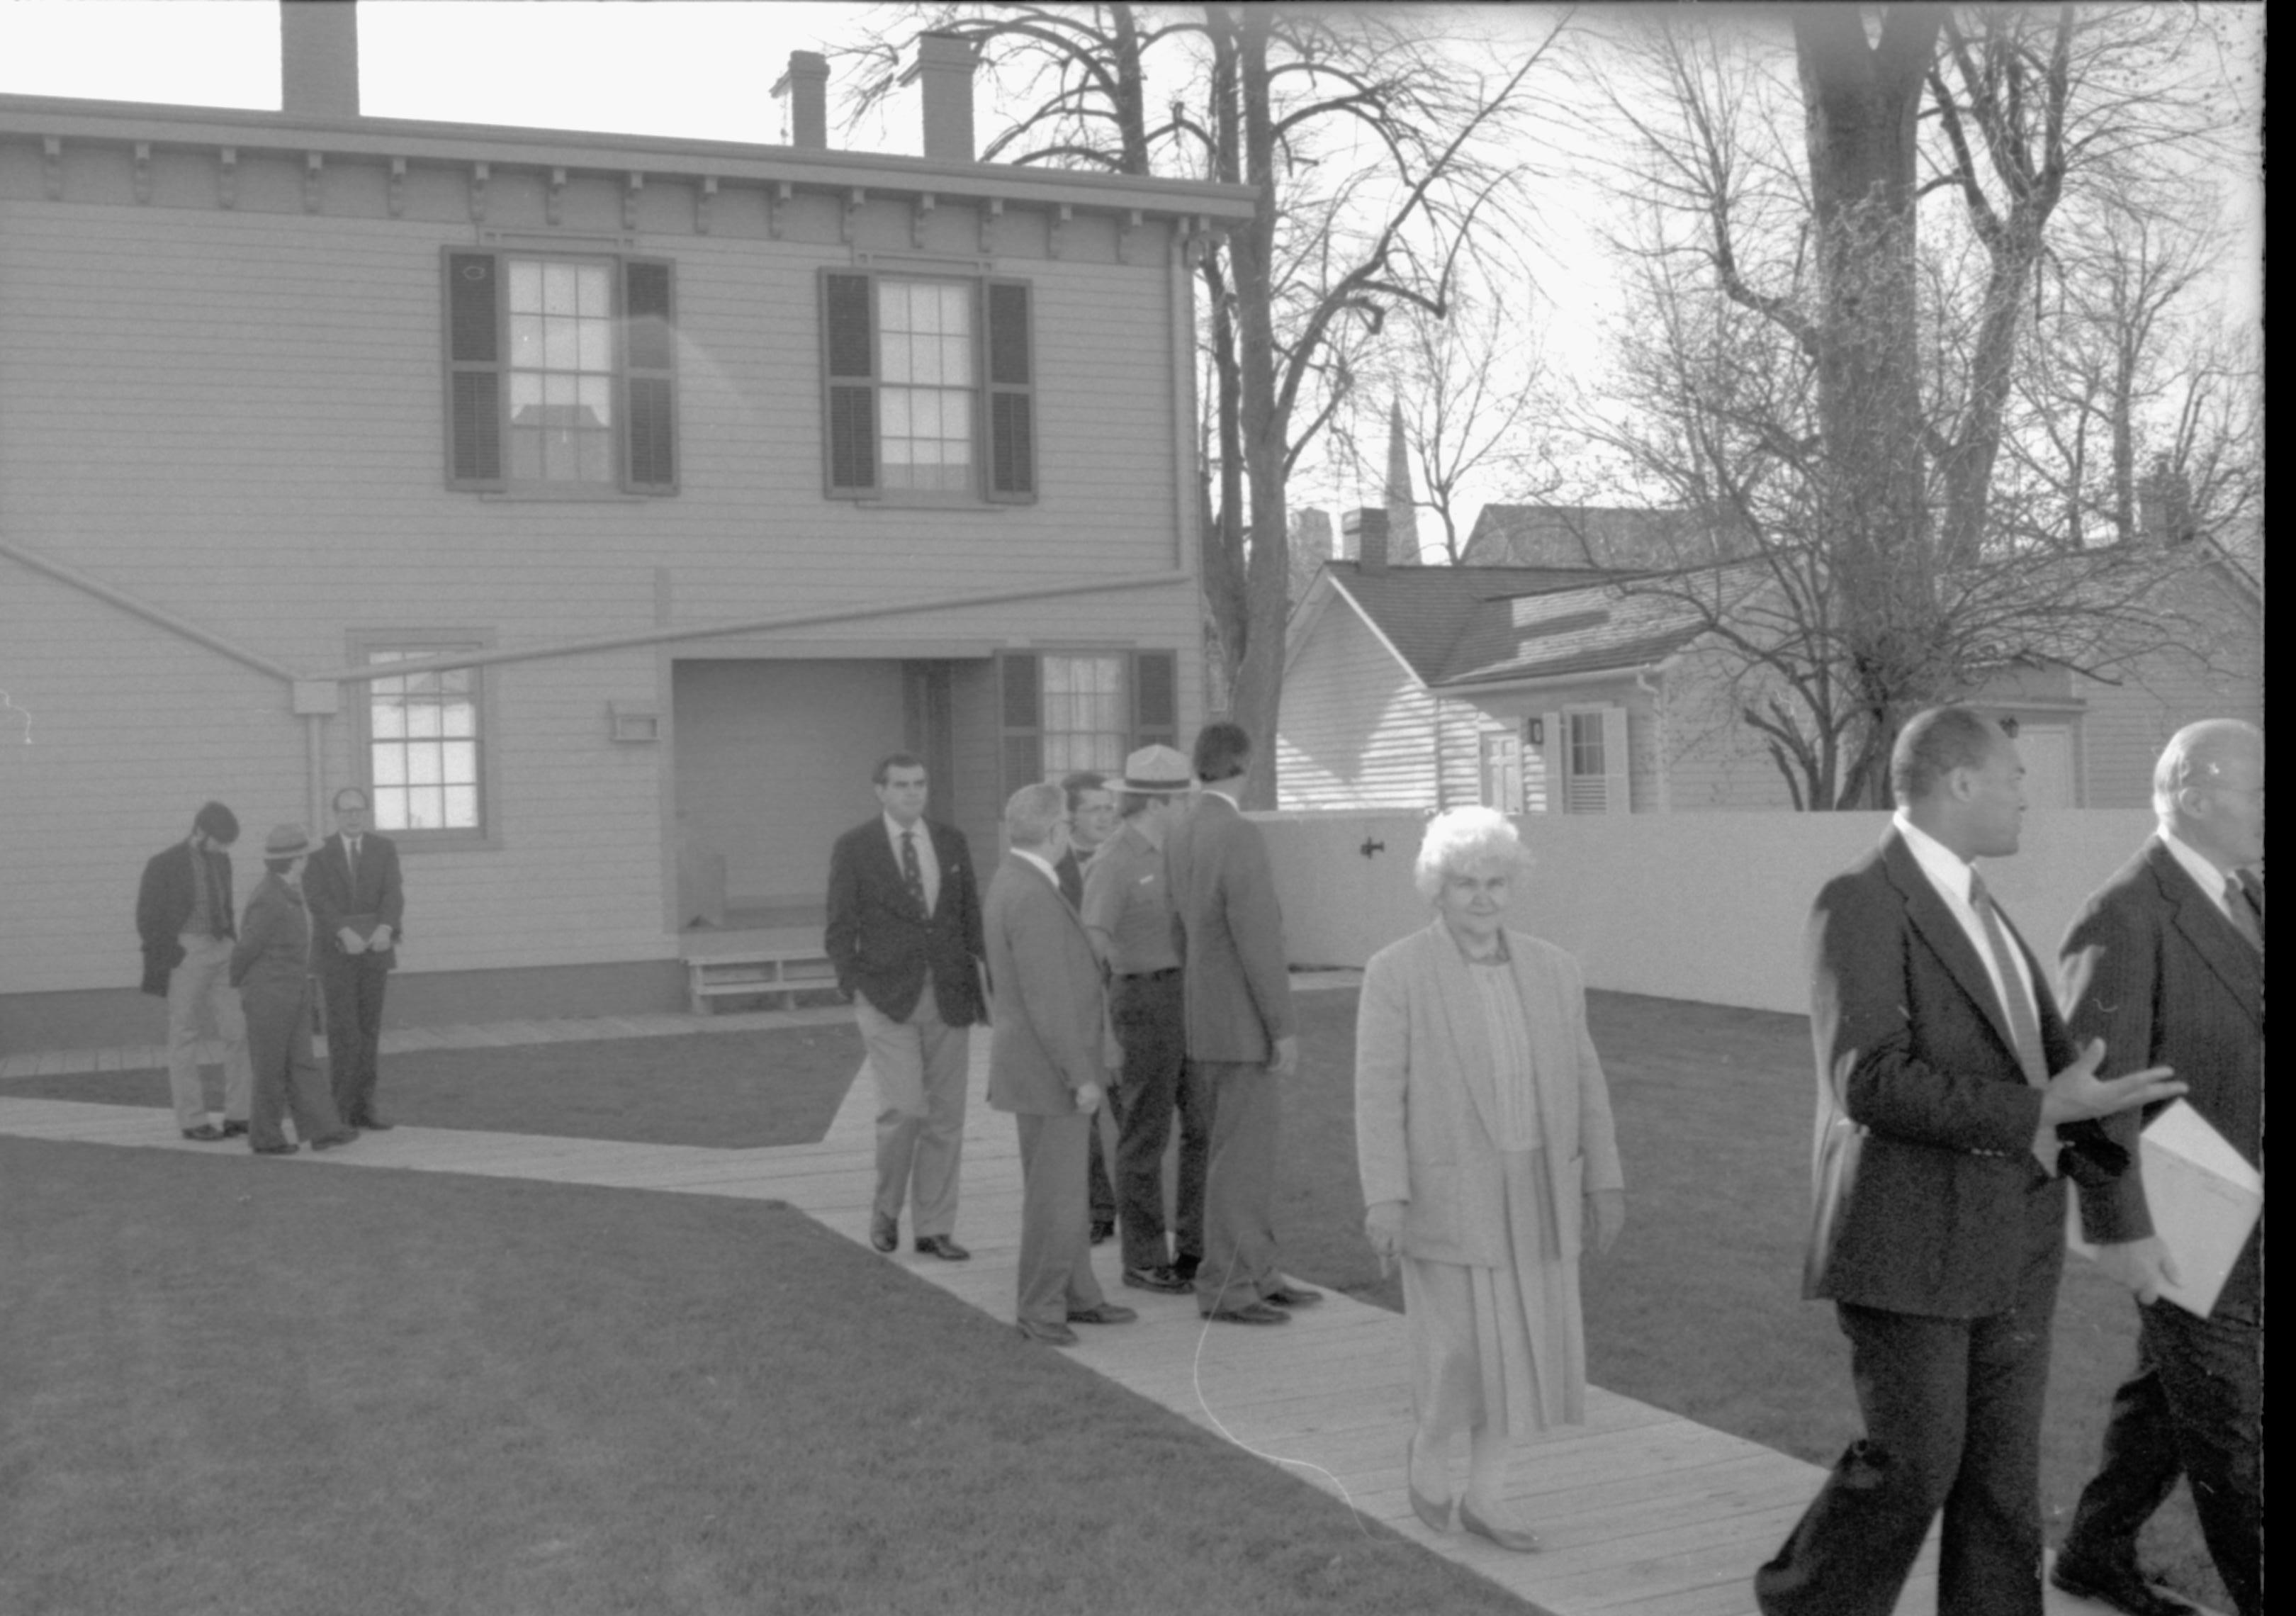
{"x":1239,"y":1263}
{"x":2195,"y":1408}
{"x":352,"y":985}
{"x":1953,"y":1422}
{"x":1098,"y":1189}
{"x":1156,"y":1082}
{"x":287,"y":1076}
{"x":1055,"y":1266}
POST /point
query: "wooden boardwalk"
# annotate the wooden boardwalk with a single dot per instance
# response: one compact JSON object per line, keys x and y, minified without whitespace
{"x":1644,"y":1512}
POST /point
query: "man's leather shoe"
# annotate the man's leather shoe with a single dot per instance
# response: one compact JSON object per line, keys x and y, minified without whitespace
{"x":942,"y":1247}
{"x":885,"y":1234}
{"x":349,"y":1136}
{"x":1103,"y":1230}
{"x":372,"y":1124}
{"x":1250,"y":1313}
{"x":1158,"y":1279}
{"x":234,"y":1130}
{"x":205,"y":1133}
{"x":2120,"y":1587}
{"x":1184,"y":1267}
{"x":1103,"y":1312}
{"x":1050,"y":1335}
{"x":1293,"y":1296}
{"x":285,"y":1147}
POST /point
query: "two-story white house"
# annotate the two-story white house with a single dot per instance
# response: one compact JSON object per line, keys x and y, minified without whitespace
{"x":606,"y":505}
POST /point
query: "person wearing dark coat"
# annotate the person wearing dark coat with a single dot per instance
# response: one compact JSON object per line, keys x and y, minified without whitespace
{"x":1951,"y":1108}
{"x":271,"y":967}
{"x":2166,"y":964}
{"x":183,"y":919}
{"x":358,"y":907}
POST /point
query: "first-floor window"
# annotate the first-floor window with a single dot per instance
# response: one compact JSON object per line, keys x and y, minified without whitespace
{"x":1086,"y":709}
{"x":422,"y":743}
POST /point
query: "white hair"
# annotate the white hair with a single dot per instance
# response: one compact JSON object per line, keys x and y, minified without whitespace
{"x":1467,"y":838}
{"x":1031,"y":812}
{"x":2196,"y":755}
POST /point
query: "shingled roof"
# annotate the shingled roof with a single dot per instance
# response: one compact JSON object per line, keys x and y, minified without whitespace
{"x":1424,"y":612}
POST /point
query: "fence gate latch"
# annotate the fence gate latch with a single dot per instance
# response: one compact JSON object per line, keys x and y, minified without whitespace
{"x":1371,"y":847}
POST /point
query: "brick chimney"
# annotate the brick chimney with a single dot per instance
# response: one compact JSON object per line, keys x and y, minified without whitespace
{"x":1365,"y":533}
{"x":944,"y":71}
{"x":318,"y":58}
{"x":807,"y":86}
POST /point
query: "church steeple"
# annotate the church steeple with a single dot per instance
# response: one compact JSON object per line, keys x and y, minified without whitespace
{"x":1402,"y":507}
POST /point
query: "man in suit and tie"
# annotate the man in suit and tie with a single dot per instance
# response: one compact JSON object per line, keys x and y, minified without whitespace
{"x":1950,"y":1099}
{"x":1237,"y":1000}
{"x":2166,"y":964}
{"x":1092,"y":821}
{"x":183,"y":920}
{"x":1047,"y":1065}
{"x":904,"y":934}
{"x":352,"y":886}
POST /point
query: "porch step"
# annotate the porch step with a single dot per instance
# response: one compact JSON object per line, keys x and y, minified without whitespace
{"x":779,"y":974}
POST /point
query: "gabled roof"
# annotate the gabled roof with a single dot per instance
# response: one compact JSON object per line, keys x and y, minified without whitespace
{"x":1572,"y":631}
{"x":1425,"y":613}
{"x":1600,"y":535}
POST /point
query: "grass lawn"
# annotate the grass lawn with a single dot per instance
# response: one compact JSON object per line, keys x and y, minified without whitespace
{"x":734,"y":1090}
{"x":1698,"y":1307}
{"x":265,"y":1388}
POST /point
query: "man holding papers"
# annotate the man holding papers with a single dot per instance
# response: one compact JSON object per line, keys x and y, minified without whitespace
{"x":2166,"y":964}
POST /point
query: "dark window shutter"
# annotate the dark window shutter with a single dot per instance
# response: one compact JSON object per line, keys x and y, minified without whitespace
{"x":1155,"y":698}
{"x":473,"y":371}
{"x":649,"y":365}
{"x":1021,"y":676}
{"x":1011,"y":395}
{"x":850,"y":373}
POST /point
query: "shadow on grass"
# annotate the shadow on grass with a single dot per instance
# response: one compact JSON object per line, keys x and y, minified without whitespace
{"x":726,"y":1090}
{"x":270,"y":1389}
{"x":1698,"y":1309}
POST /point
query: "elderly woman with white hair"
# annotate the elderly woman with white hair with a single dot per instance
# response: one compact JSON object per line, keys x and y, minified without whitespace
{"x":1483,"y":1133}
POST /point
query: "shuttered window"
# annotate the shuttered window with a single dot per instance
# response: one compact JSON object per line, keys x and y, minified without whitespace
{"x":1083,"y":711}
{"x":928,"y":386}
{"x":562,"y":373}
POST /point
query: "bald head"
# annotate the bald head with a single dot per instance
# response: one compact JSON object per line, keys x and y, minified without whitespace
{"x":2208,"y":790}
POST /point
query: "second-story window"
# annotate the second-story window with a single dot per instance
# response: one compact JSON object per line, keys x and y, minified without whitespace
{"x":930,"y":387}
{"x":561,"y":373}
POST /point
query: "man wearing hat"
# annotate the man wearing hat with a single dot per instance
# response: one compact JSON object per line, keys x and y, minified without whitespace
{"x":271,"y":967}
{"x":1130,"y":924}
{"x":182,"y":915}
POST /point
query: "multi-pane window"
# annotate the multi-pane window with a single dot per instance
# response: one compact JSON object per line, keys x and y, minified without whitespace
{"x":423,"y":745}
{"x":1083,"y":710}
{"x":928,"y":387}
{"x":561,"y":373}
{"x":1583,"y":767}
{"x":925,"y":345}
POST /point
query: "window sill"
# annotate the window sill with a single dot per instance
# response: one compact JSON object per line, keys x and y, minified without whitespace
{"x":929,"y":502}
{"x":544,"y":494}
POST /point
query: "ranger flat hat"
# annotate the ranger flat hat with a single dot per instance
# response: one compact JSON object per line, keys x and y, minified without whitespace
{"x":1156,"y":771}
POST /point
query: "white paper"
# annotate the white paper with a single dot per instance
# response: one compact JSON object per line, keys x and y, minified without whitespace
{"x":2204,"y":1200}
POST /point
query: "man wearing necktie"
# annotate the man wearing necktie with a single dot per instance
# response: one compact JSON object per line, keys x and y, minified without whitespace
{"x":2166,"y":964}
{"x":184,"y":918}
{"x":905,"y":936}
{"x":357,"y":901}
{"x":1951,"y":1107}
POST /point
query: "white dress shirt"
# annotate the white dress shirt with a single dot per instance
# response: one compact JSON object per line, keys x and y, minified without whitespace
{"x":2205,"y":875}
{"x":1949,"y":874}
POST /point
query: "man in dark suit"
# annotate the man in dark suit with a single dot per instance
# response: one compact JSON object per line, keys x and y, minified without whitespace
{"x":1236,"y":994}
{"x":1950,"y":1100}
{"x":183,"y":920}
{"x":905,"y":936}
{"x":1092,"y":821}
{"x":1047,"y":1065}
{"x":353,"y":887}
{"x":2166,"y":964}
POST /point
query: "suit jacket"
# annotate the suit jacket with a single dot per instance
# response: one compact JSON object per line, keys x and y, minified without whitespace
{"x":164,"y":902}
{"x":333,"y":895}
{"x":2153,"y":968}
{"x":1228,"y":929}
{"x":271,"y":959}
{"x":1928,"y":1198}
{"x":880,"y":938}
{"x":1048,"y":1033}
{"x":1426,"y":1109}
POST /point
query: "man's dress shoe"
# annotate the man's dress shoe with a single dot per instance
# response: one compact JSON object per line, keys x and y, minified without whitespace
{"x":942,"y":1247}
{"x":2122,"y":1587}
{"x":205,"y":1133}
{"x":1103,"y":1312}
{"x":885,"y":1235}
{"x":1250,"y":1313}
{"x":1158,"y":1279}
{"x":1293,"y":1296}
{"x":234,"y":1130}
{"x":1050,"y":1335}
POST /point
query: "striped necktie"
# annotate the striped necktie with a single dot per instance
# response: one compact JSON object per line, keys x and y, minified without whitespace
{"x":2024,"y":1026}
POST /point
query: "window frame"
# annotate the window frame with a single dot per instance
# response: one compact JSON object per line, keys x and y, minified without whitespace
{"x":1152,"y":707}
{"x":363,"y":644}
{"x":643,"y":369}
{"x":1007,"y":451}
